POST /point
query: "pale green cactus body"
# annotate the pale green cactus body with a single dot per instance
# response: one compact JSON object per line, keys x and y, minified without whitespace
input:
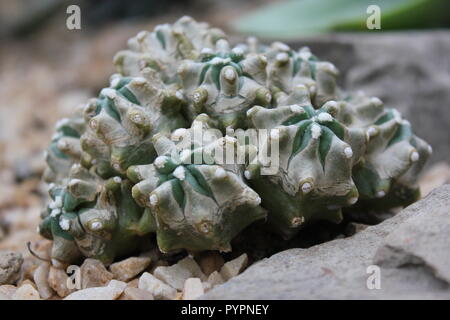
{"x":224,"y":84}
{"x":196,"y":206}
{"x":122,"y":170}
{"x":92,"y":217}
{"x":387,"y":175}
{"x":314,"y":180}
{"x":65,"y":148}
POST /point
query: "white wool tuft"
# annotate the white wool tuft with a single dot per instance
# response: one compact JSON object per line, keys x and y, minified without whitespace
{"x":179,"y":173}
{"x":160,"y":162}
{"x":64,"y":224}
{"x":153,"y":199}
{"x":220,"y":173}
{"x":324,"y":117}
{"x":348,"y":152}
{"x":316,"y":131}
{"x":296,"y":108}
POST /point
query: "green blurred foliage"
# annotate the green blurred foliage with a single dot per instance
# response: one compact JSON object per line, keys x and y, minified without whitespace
{"x":293,"y":18}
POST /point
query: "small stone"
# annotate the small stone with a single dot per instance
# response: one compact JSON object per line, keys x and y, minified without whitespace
{"x":129,"y":268}
{"x":94,"y":274}
{"x":136,"y":294}
{"x":7,"y":291}
{"x":133,"y":283}
{"x":26,"y":292}
{"x":193,"y":288}
{"x":179,"y":295}
{"x":57,"y":280}
{"x":156,"y":287}
{"x":234,"y":267}
{"x":10,"y":263}
{"x":215,"y":279}
{"x":29,"y":266}
{"x":41,"y":280}
{"x":178,"y":273}
{"x":159,"y":263}
{"x":111,"y":292}
{"x":210,"y":262}
{"x":26,"y":281}
{"x":206,"y":286}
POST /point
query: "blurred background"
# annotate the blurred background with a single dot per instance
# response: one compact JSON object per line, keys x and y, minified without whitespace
{"x":46,"y":70}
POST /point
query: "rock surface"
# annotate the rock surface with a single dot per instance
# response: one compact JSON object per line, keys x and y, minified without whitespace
{"x":343,"y":268}
{"x":10,"y":263}
{"x":193,"y":288}
{"x":129,"y":268}
{"x":26,"y":292}
{"x":407,"y":70}
{"x":41,"y":280}
{"x":111,"y":292}
{"x":177,"y":274}
{"x":7,"y":291}
{"x":156,"y":287}
{"x":94,"y":274}
{"x":57,"y":280}
{"x":234,"y":267}
{"x":136,"y":294}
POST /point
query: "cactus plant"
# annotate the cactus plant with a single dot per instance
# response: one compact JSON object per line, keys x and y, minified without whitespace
{"x":128,"y":165}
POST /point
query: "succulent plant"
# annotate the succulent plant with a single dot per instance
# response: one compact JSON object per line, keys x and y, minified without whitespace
{"x":128,"y":165}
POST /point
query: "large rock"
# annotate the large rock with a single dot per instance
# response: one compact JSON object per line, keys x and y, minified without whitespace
{"x":407,"y":70}
{"x":342,"y":268}
{"x":10,"y":263}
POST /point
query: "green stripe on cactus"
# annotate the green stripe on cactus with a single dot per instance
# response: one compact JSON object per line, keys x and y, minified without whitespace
{"x":178,"y":192}
{"x":215,"y":74}
{"x":124,"y":91}
{"x":237,"y":67}
{"x":325,"y":143}
{"x":57,"y":231}
{"x":58,"y":153}
{"x":68,"y":131}
{"x":313,"y":68}
{"x":402,"y":133}
{"x":108,"y":105}
{"x":310,"y":111}
{"x":197,"y":181}
{"x":385,"y":118}
{"x":161,"y":39}
{"x":123,"y":82}
{"x":295,"y":119}
{"x":203,"y":74}
{"x":302,"y":137}
{"x":337,"y":128}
